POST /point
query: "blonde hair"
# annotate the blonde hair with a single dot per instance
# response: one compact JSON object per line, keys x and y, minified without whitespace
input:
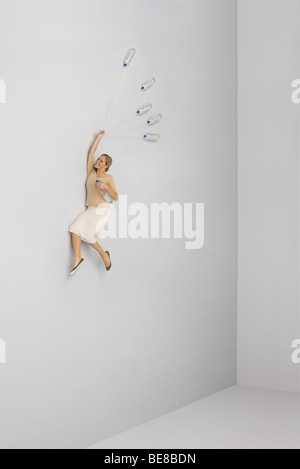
{"x":109,"y":161}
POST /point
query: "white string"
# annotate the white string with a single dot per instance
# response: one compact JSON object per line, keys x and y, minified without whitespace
{"x":122,"y":105}
{"x":122,"y":123}
{"x":121,"y":137}
{"x":113,"y":98}
{"x":139,"y":127}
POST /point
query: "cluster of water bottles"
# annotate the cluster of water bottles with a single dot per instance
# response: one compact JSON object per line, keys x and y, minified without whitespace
{"x":142,"y":110}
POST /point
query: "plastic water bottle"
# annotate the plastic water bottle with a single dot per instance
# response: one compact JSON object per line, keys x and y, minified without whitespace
{"x":129,"y":57}
{"x":144,"y":109}
{"x":151,"y":137}
{"x":145,"y":86}
{"x":105,"y":194}
{"x":154,"y":119}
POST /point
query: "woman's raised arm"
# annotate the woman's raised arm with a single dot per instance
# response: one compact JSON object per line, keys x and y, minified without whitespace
{"x":90,"y":164}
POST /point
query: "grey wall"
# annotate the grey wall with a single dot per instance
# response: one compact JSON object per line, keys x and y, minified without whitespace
{"x":99,"y":353}
{"x":268,"y":304}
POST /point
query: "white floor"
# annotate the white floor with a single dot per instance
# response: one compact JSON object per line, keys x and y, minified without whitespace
{"x":237,"y":418}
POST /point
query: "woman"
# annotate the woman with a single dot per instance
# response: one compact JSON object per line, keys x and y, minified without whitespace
{"x":100,"y":187}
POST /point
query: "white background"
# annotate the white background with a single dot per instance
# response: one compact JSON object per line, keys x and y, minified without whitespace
{"x":269,"y":61}
{"x":94,"y":355}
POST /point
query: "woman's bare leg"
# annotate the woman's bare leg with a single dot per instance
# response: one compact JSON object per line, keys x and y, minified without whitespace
{"x":76,"y":241}
{"x":102,"y":253}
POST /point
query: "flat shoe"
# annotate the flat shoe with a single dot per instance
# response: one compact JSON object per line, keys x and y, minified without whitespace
{"x":109,"y":267}
{"x":77,"y":266}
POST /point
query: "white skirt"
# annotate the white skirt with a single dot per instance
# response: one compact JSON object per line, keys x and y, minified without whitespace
{"x":89,"y":224}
